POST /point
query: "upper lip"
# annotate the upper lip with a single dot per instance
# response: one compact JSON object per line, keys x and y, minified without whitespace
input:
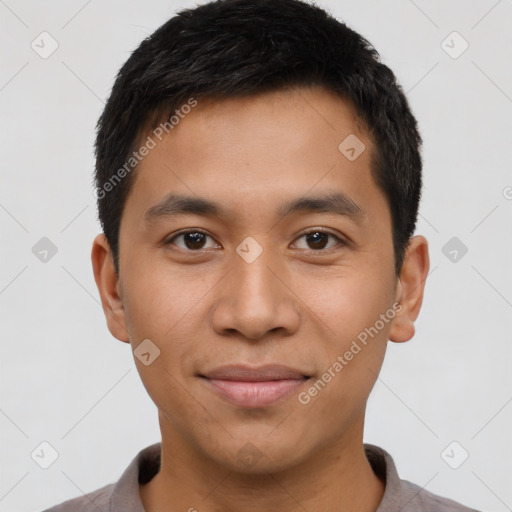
{"x":245,"y":373}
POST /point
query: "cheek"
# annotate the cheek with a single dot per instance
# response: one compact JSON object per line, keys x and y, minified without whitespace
{"x":157,"y":302}
{"x":168,"y":311}
{"x":348,"y":304}
{"x":354,"y":345}
{"x":354,"y":339}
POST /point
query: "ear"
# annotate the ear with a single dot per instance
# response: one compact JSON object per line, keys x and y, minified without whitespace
{"x":107,"y":282}
{"x":410,"y":288}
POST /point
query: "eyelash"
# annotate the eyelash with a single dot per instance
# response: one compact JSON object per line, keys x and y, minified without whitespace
{"x":339,"y":240}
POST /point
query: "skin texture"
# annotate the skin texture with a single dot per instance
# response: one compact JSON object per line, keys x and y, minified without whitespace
{"x":295,"y":305}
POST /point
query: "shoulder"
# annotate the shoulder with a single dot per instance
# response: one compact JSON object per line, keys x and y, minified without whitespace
{"x":122,"y":495}
{"x":91,"y":502}
{"x":420,"y":500}
{"x":403,"y":495}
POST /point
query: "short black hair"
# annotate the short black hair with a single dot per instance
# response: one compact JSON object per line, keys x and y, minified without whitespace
{"x":234,"y":48}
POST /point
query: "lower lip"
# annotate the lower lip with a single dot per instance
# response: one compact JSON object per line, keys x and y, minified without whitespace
{"x":254,"y":394}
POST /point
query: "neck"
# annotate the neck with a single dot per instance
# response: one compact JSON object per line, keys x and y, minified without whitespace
{"x":337,"y":477}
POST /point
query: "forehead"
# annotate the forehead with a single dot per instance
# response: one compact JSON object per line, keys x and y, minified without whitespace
{"x":252,"y":151}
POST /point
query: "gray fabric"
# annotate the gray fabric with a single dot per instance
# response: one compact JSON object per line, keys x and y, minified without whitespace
{"x":123,"y":496}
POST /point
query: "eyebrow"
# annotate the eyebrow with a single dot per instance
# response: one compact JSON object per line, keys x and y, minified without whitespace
{"x":337,"y":203}
{"x":175,"y":204}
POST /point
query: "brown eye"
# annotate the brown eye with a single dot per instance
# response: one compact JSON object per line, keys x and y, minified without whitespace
{"x":191,"y":240}
{"x":318,"y":240}
{"x":194,"y":240}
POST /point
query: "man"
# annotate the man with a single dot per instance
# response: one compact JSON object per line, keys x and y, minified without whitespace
{"x":258,"y":180}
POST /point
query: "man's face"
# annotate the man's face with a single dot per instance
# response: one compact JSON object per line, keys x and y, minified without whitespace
{"x":253,"y":285}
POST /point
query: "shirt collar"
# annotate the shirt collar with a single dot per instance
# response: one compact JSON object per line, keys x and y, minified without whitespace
{"x":125,"y":494}
{"x":384,"y":467}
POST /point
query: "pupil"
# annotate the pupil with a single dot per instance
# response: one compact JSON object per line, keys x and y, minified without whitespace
{"x":194,"y":240}
{"x":315,"y":240}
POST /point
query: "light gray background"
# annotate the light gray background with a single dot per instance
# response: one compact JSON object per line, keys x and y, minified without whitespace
{"x":67,"y":381}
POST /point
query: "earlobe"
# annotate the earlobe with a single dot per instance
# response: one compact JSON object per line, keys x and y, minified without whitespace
{"x":410,"y":289}
{"x":107,"y":282}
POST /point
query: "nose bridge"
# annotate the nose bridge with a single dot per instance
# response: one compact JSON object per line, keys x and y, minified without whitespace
{"x":255,"y":301}
{"x":255,"y":282}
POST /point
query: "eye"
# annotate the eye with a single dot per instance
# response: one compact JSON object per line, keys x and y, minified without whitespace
{"x":191,"y":240}
{"x":318,"y":239}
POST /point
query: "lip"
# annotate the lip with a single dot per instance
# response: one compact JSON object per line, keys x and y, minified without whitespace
{"x":248,"y":387}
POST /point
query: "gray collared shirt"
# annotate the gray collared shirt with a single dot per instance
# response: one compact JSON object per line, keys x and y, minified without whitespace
{"x":123,"y":496}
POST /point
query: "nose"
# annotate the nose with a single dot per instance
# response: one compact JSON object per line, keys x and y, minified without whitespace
{"x":256,"y":300}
